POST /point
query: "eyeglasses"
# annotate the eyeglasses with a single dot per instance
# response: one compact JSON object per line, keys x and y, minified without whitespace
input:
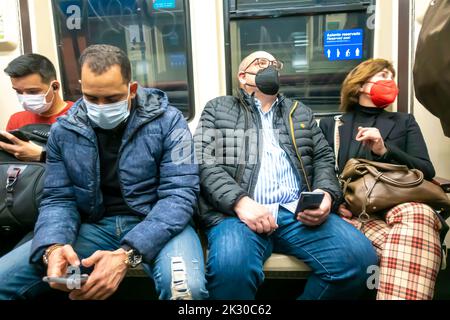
{"x":264,"y":63}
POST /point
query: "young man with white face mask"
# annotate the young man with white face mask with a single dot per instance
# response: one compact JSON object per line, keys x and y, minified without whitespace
{"x":33,"y":77}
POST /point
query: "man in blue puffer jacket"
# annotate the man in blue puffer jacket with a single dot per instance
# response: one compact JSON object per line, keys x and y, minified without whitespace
{"x":121,"y":189}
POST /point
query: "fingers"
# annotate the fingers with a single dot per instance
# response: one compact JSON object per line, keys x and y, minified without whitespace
{"x":10,"y":137}
{"x":99,"y":291}
{"x":312,"y":217}
{"x":263,"y":226}
{"x":272,"y":222}
{"x":259,"y":227}
{"x":88,"y":290}
{"x":57,"y":263}
{"x":104,"y":280}
{"x":59,"y":286}
{"x":308,"y":219}
{"x":71,"y":256}
{"x":353,"y":222}
{"x":251,"y":225}
{"x":320,"y":212}
{"x":316,"y":213}
{"x":344,"y":212}
{"x":57,"y":266}
{"x":266,"y":225}
{"x":25,"y":151}
{"x":56,"y":270}
{"x":10,"y":148}
{"x":368,"y":134}
{"x":93,"y":259}
{"x":364,"y":133}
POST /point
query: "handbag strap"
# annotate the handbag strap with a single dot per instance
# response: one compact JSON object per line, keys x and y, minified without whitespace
{"x":380,"y":176}
{"x":12,"y":176}
{"x":363,"y":217}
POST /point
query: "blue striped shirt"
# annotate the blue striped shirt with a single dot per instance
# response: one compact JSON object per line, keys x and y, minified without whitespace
{"x":277,"y":182}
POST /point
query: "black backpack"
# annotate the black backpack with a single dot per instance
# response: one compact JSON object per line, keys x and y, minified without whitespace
{"x":21,"y":185}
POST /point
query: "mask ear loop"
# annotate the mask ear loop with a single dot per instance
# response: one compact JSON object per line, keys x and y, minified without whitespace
{"x":128,"y":96}
{"x":247,"y":84}
{"x":365,"y":92}
{"x":48,"y":91}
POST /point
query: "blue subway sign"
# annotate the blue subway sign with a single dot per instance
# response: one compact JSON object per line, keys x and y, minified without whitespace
{"x":164,"y":4}
{"x":343,"y":44}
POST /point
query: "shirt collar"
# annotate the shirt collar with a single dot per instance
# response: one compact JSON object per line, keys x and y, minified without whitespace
{"x":258,"y":106}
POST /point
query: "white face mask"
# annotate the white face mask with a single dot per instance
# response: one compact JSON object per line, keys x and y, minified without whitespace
{"x":108,"y":116}
{"x":35,"y":103}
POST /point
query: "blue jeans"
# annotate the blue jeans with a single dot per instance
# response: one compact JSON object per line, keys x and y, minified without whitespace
{"x":337,"y":253}
{"x":19,"y":279}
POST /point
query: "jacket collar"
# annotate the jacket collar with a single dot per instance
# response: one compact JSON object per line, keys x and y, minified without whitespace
{"x":345,"y":132}
{"x":248,"y":100}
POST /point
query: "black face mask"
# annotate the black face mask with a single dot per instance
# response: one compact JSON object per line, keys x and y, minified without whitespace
{"x":267,"y":80}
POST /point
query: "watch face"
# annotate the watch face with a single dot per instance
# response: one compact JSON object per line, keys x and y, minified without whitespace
{"x":135,"y":259}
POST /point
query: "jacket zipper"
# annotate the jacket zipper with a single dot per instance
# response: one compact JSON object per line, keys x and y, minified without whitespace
{"x":241,"y":166}
{"x":292,"y":134}
{"x":119,"y":155}
{"x":97,"y":165}
{"x":252,"y":183}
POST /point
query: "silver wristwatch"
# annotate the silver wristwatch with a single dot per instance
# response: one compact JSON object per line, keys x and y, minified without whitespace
{"x":133,"y":258}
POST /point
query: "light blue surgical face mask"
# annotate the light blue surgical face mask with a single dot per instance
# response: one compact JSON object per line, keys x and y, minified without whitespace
{"x":108,"y":116}
{"x":36,"y":103}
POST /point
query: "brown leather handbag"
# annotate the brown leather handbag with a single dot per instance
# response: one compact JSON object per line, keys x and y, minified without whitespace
{"x":370,"y":187}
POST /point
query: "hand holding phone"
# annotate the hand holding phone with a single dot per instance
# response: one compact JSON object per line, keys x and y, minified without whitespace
{"x":309,"y":200}
{"x":20,"y":135}
{"x":16,"y":133}
{"x":5,"y":139}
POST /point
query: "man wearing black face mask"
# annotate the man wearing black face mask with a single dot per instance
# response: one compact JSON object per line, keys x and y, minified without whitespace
{"x":257,"y":152}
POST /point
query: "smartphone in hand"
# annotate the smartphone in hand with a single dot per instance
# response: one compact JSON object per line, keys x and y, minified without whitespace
{"x":20,"y":135}
{"x":16,"y":133}
{"x":5,"y":139}
{"x":71,"y":281}
{"x":309,"y":200}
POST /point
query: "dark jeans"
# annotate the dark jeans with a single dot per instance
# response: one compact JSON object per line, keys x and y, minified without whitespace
{"x":338,"y":254}
{"x":19,"y":279}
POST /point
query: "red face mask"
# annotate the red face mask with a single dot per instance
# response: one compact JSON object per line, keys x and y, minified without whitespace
{"x":383,"y":93}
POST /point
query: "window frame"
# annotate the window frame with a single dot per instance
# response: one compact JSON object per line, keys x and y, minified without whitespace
{"x":189,"y":56}
{"x":231,"y":13}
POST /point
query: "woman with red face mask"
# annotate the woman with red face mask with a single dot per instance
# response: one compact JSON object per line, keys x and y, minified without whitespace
{"x":406,"y":237}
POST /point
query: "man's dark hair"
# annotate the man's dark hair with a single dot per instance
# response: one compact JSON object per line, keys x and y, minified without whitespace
{"x":101,"y":57}
{"x":31,"y":63}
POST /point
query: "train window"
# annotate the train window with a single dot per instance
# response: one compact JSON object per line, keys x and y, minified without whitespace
{"x":280,"y":4}
{"x":297,"y":39}
{"x":155,"y":35}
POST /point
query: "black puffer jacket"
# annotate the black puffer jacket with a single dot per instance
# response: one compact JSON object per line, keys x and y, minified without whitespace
{"x":228,"y":149}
